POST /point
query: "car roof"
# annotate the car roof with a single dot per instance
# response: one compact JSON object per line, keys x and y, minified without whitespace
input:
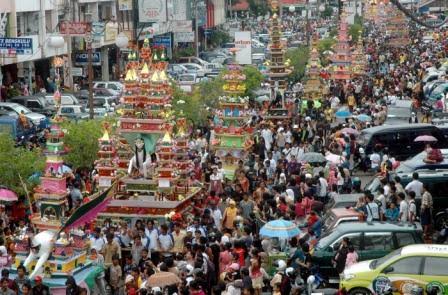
{"x":425,"y":249}
{"x":376,"y":226}
{"x":10,"y":104}
{"x":344,"y":212}
{"x":394,"y":127}
{"x":71,"y":105}
{"x":347,"y":197}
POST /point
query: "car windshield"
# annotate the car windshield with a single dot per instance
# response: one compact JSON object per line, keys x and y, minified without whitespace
{"x":49,"y":100}
{"x":18,"y":109}
{"x":438,"y":91}
{"x":364,"y":138}
{"x":325,"y":240}
{"x":377,"y":262}
{"x":373,"y":185}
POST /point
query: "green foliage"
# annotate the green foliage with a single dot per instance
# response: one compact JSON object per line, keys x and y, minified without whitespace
{"x":355,"y":31}
{"x":18,"y":161}
{"x":299,"y":58}
{"x":82,"y":140}
{"x":253,"y":79}
{"x":326,"y":44}
{"x":257,"y":7}
{"x":181,"y":52}
{"x":218,"y":38}
{"x":328,"y":12}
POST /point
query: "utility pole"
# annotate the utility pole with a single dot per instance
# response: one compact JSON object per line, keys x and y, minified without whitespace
{"x":307,"y":23}
{"x":89,"y":40}
{"x":196,"y":27}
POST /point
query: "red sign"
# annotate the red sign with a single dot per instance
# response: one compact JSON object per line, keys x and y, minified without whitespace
{"x":74,"y":28}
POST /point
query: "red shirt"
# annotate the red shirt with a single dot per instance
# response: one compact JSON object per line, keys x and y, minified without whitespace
{"x":240,"y":252}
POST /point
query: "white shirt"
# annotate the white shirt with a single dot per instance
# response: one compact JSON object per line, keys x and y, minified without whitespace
{"x":153,"y":236}
{"x":373,"y":212}
{"x":382,"y":199}
{"x":375,"y":160}
{"x":166,"y":242}
{"x":97,"y":244}
{"x":217,"y":218}
{"x":412,"y":210}
{"x":415,"y":186}
{"x":323,"y":187}
{"x":404,"y":208}
{"x":267,"y":136}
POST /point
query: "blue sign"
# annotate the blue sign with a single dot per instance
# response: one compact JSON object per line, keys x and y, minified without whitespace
{"x":16,"y":45}
{"x":82,"y":58}
{"x":164,"y":41}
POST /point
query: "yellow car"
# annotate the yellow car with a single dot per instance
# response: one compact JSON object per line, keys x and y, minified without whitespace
{"x":416,"y":266}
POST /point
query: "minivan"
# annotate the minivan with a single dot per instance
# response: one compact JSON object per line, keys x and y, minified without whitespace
{"x":35,"y":104}
{"x":399,"y":139}
{"x":371,"y":240}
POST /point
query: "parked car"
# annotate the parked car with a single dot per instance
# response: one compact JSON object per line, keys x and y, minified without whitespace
{"x":192,"y":60}
{"x":193,"y":68}
{"x":430,"y":86}
{"x":371,"y":240}
{"x":115,"y":86}
{"x":187,"y":81}
{"x":38,"y":120}
{"x":66,"y":99}
{"x":74,"y":112}
{"x":35,"y":104}
{"x":174,"y":70}
{"x":437,"y":181}
{"x":436,"y":93}
{"x":336,"y":216}
{"x":399,"y":139}
{"x":213,"y":69}
{"x":82,"y":96}
{"x":397,"y":116}
{"x":342,"y":201}
{"x":106,"y":93}
{"x":11,"y":125}
{"x":107,"y":103}
{"x":417,"y":163}
{"x":422,"y":265}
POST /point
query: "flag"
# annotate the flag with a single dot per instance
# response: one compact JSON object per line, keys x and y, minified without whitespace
{"x":88,"y":211}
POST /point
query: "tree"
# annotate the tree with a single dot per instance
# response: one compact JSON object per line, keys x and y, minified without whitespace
{"x":325,"y":44}
{"x":219,"y":37}
{"x":82,"y":140}
{"x":354,"y":32}
{"x":253,"y":79}
{"x":18,"y":161}
{"x":258,"y":7}
{"x":299,"y":58}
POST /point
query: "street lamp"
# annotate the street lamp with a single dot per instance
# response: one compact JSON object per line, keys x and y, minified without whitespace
{"x":56,"y":41}
{"x":292,"y":9}
{"x":122,"y":40}
{"x":322,"y":8}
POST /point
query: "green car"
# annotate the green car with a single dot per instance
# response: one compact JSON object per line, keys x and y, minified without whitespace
{"x":371,"y":240}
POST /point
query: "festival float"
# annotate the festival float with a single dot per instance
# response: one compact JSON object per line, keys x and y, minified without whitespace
{"x":341,"y":59}
{"x":106,"y":165}
{"x":232,"y":137}
{"x":148,"y":186}
{"x":314,"y":87}
{"x":59,"y":249}
{"x":278,"y":68}
{"x":359,"y":62}
{"x":397,"y":28}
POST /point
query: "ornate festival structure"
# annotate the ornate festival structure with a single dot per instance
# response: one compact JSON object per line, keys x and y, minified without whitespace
{"x":397,"y":27}
{"x":147,"y":152}
{"x":341,"y":59}
{"x":359,"y":62}
{"x":314,"y":87}
{"x":106,"y":165}
{"x":231,"y":137}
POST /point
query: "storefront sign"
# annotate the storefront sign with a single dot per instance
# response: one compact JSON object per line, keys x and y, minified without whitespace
{"x":164,"y":41}
{"x":184,"y":37}
{"x":124,"y":5}
{"x":151,"y":11}
{"x":243,"y":42}
{"x":97,"y":30}
{"x":82,"y":58}
{"x":77,"y":72}
{"x":73,"y":28}
{"x":176,"y":26}
{"x":111,"y":32}
{"x":16,"y":45}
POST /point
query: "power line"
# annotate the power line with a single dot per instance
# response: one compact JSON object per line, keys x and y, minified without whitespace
{"x":410,"y":15}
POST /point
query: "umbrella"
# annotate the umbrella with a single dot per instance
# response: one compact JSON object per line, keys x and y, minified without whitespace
{"x":425,"y":138}
{"x":280,"y":229}
{"x":313,"y":158}
{"x":364,"y":118}
{"x":350,"y":131}
{"x":343,"y":113}
{"x":7,"y":195}
{"x":162,"y":279}
{"x":335,"y":159}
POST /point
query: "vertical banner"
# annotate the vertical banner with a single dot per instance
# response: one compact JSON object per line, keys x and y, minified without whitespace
{"x":243,"y":42}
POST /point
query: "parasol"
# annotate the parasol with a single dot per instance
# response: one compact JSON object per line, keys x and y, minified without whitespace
{"x":162,"y":279}
{"x":335,"y":159}
{"x":425,"y":138}
{"x":343,"y":113}
{"x":280,"y":229}
{"x":313,"y":158}
{"x":350,"y":131}
{"x":364,"y":118}
{"x":7,"y":196}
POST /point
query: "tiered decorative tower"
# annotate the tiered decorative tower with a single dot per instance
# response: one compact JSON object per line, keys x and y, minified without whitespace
{"x":359,"y":63}
{"x":146,"y":152}
{"x":231,"y":138}
{"x":397,"y":28}
{"x":106,"y":163}
{"x":341,"y":59}
{"x":278,"y":67}
{"x":314,"y":87}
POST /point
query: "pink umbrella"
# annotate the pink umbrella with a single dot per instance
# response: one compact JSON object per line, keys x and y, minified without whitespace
{"x":350,"y":131}
{"x":425,"y":138}
{"x":7,"y":195}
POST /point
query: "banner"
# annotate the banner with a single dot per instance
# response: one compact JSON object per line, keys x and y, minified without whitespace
{"x":82,"y":58}
{"x":151,"y":11}
{"x":184,"y":37}
{"x":124,"y":5}
{"x":111,"y":32}
{"x":16,"y":45}
{"x":73,"y":28}
{"x":243,"y":41}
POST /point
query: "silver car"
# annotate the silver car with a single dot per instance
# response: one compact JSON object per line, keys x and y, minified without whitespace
{"x":36,"y":118}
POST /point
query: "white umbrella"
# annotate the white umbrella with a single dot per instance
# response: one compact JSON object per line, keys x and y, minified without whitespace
{"x":335,"y":159}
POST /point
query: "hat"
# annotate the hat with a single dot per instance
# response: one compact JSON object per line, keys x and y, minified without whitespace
{"x":38,"y":279}
{"x":232,"y":202}
{"x":189,"y":279}
{"x":361,"y":150}
{"x":129,"y":279}
{"x":281,"y":265}
{"x":156,"y":289}
{"x":3,"y":250}
{"x":295,"y":126}
{"x":307,"y":118}
{"x":289,"y":270}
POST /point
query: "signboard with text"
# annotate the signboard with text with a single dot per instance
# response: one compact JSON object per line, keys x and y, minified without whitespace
{"x":74,"y":28}
{"x":82,"y":58}
{"x":124,"y":5}
{"x":152,"y":11}
{"x":16,"y":46}
{"x":164,"y":41}
{"x":184,"y":37}
{"x":243,"y":42}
